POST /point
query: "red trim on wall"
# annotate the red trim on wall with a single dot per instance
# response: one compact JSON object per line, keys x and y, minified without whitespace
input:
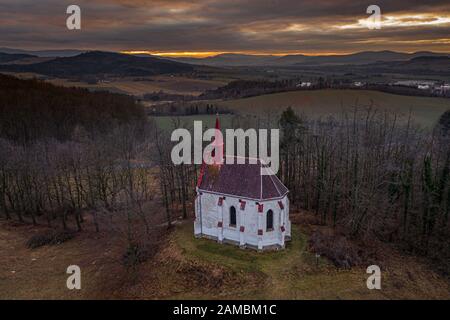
{"x":242,"y":229}
{"x":260,"y":207}
{"x":243,"y":204}
{"x":282,"y":228}
{"x":281,"y":205}
{"x":220,"y":201}
{"x":219,"y":224}
{"x":260,"y":232}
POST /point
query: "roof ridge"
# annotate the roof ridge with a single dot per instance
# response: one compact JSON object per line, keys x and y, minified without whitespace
{"x":271,"y":179}
{"x":270,"y":174}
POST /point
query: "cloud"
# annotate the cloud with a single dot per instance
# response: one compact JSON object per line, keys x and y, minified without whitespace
{"x":234,"y":25}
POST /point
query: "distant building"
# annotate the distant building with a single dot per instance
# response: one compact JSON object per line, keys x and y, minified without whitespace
{"x":414,"y":83}
{"x":303,"y":85}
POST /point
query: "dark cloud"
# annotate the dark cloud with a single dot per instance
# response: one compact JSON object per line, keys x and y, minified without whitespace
{"x":232,"y":25}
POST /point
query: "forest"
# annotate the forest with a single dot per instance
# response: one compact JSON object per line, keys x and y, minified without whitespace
{"x":67,"y":153}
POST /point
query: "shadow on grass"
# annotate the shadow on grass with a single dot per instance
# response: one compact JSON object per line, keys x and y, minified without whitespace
{"x":240,"y":259}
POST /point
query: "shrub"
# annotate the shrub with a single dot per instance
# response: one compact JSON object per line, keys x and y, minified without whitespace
{"x":52,"y":237}
{"x":136,"y":254}
{"x":342,"y":252}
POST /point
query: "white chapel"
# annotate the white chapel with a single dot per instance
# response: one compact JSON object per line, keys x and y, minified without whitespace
{"x":237,"y":204}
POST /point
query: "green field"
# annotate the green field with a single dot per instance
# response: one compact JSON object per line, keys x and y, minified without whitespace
{"x":292,"y":273}
{"x":425,"y":111}
{"x":319,"y":103}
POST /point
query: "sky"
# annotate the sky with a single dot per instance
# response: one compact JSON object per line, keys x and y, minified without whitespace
{"x":208,"y":27}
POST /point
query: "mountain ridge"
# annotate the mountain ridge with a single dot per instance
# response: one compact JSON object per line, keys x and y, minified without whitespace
{"x":101,"y":63}
{"x":363,"y":57}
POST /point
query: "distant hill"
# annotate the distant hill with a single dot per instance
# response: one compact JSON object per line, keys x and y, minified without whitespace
{"x":102,"y":63}
{"x":419,"y":65}
{"x":422,"y":65}
{"x":365,"y":57}
{"x":7,"y":57}
{"x":44,"y":53}
{"x":355,"y":58}
{"x":230,"y":59}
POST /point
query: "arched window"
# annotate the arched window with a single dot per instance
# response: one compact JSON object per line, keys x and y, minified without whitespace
{"x":232,"y":216}
{"x":269,"y":220}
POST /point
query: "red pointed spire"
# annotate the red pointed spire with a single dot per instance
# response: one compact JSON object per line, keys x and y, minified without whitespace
{"x":218,"y":140}
{"x":217,"y":122}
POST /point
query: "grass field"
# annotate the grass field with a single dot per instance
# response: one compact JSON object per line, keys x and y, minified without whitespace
{"x":319,"y":103}
{"x":138,"y":87}
{"x":141,"y":86}
{"x":295,"y":274}
{"x":189,"y":268}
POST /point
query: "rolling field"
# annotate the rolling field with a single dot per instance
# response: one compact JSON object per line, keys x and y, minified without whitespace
{"x":139,"y":87}
{"x":424,"y":111}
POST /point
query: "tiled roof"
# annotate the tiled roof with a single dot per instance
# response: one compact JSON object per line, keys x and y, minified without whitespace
{"x":242,"y":180}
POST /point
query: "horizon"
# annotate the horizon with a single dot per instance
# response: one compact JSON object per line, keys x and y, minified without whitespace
{"x":200,"y":55}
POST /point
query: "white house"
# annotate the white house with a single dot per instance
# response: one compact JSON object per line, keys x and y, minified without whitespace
{"x":236,"y":204}
{"x":423,"y":86}
{"x":303,"y":85}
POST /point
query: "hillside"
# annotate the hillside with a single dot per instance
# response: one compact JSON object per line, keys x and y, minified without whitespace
{"x":419,"y":65}
{"x":7,"y":57}
{"x":102,"y":63}
{"x":435,"y":65}
{"x":44,"y":53}
{"x":31,"y":109}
